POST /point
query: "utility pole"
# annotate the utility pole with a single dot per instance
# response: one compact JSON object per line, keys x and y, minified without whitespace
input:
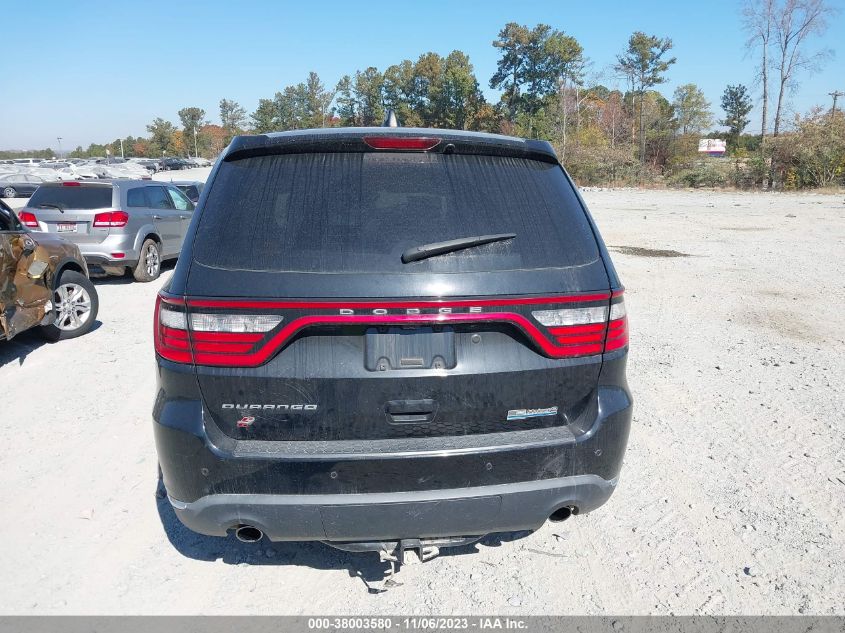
{"x":59,"y":139}
{"x":196,"y":154}
{"x":121,"y":149}
{"x":835,"y":94}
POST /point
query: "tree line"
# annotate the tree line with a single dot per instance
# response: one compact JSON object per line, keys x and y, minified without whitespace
{"x":611,"y":126}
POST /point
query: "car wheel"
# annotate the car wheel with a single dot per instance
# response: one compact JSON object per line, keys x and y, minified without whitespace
{"x":9,"y":192}
{"x":75,"y":304}
{"x":149,"y":263}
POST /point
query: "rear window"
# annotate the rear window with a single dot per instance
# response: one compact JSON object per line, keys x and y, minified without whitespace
{"x":72,"y":197}
{"x":357,"y":212}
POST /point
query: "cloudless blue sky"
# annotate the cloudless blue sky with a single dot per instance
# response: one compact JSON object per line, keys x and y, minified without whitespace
{"x":95,"y":71}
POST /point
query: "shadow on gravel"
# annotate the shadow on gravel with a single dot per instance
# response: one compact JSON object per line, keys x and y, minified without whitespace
{"x":231,"y":551}
{"x":127,"y":278}
{"x":25,"y":343}
{"x":639,"y":251}
{"x":112,"y":280}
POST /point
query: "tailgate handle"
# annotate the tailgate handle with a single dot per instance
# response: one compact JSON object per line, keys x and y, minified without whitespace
{"x":410,"y":411}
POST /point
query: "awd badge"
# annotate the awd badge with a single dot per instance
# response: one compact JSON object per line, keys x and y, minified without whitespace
{"x":524,"y":414}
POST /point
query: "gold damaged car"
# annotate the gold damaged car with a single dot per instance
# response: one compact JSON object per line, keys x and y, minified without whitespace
{"x":43,"y":283}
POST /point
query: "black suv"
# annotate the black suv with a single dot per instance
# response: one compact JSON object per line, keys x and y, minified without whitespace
{"x":389,"y":338}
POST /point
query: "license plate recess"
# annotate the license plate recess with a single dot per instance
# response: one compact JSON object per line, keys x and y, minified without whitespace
{"x":398,"y":348}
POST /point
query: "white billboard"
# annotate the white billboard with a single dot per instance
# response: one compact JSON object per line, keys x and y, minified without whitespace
{"x":712,"y":146}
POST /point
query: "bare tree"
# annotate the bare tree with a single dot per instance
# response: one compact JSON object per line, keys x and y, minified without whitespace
{"x":778,"y":31}
{"x":795,"y":22}
{"x":758,"y":22}
{"x":569,"y":84}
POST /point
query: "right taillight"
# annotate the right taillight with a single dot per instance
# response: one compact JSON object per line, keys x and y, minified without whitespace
{"x":617,"y":324}
{"x":583,"y":331}
{"x":28,"y":218}
{"x":110,"y":218}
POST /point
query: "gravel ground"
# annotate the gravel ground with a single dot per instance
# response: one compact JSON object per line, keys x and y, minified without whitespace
{"x":731,"y":495}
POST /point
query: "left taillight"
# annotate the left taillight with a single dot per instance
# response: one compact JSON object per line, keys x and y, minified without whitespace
{"x":28,"y":219}
{"x":207,"y":338}
{"x":171,"y":330}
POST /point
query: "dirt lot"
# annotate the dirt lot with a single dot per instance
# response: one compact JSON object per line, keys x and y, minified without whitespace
{"x":731,"y":499}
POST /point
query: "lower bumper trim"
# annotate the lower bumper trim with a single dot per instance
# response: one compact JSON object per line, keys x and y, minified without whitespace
{"x":396,"y":515}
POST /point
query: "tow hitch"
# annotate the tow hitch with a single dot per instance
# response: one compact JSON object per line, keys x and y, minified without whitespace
{"x":406,"y":551}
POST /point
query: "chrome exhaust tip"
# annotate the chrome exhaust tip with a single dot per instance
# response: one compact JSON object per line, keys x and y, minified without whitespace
{"x":562,"y":514}
{"x":248,"y":534}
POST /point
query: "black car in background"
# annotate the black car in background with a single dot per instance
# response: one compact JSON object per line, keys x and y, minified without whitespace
{"x":390,"y":339}
{"x":18,"y":185}
{"x":175,"y":163}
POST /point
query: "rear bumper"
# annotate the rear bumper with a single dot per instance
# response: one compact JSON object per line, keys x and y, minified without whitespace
{"x":391,"y":516}
{"x":378,"y":490}
{"x":103,"y":265}
{"x":99,"y":255}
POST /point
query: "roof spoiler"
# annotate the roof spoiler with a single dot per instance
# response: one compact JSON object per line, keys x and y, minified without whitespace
{"x":352,"y":140}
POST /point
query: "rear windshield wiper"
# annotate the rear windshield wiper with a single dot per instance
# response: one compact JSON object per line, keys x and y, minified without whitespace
{"x":417,"y":253}
{"x":44,"y":205}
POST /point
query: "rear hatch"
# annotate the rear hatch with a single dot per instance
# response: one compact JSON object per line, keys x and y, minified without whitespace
{"x":69,"y":209}
{"x":305,"y":324}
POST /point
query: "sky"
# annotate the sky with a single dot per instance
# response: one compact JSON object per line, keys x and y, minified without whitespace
{"x":92,"y":71}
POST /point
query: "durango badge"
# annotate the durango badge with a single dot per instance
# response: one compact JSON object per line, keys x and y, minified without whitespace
{"x":270,"y":407}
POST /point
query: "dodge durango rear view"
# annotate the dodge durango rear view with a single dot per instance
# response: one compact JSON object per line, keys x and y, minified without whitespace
{"x":389,"y":339}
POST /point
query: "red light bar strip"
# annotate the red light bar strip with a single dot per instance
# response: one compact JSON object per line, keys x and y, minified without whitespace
{"x":286,"y":333}
{"x":569,"y":343}
{"x":319,"y":305}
